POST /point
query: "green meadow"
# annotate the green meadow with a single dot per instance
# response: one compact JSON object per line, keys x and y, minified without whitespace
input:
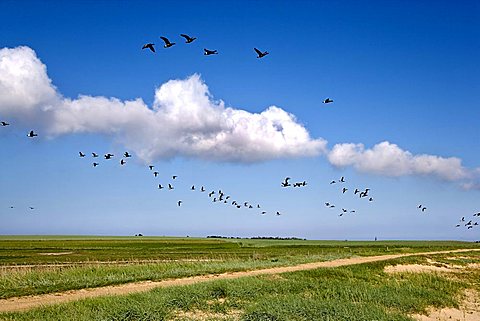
{"x":28,"y":265}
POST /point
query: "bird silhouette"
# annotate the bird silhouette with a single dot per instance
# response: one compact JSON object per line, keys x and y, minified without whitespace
{"x":151,"y":167}
{"x":94,"y":155}
{"x":81,"y":154}
{"x":260,"y":54}
{"x":179,"y":203}
{"x":423,"y":209}
{"x":31,"y":134}
{"x":32,"y":208}
{"x":108,"y":156}
{"x":342,"y":179}
{"x":127,"y":155}
{"x":160,"y":186}
{"x":193,"y":187}
{"x":332,"y":182}
{"x":327,"y":204}
{"x":170,"y":186}
{"x":344,"y":190}
{"x":123,"y":162}
{"x":174,"y":176}
{"x":95,"y":164}
{"x":149,"y":46}
{"x":155,"y":174}
{"x":168,"y":44}
{"x":370,"y":199}
{"x":263,"y":213}
{"x":207,"y":52}
{"x":458,"y":225}
{"x":188,"y":39}
{"x":202,"y":189}
{"x":327,"y":101}
{"x":278,"y":213}
{"x":4,"y":123}
{"x":356,"y":191}
{"x":285,"y":183}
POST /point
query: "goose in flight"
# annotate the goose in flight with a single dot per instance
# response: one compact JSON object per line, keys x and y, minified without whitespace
{"x":155,"y":174}
{"x":423,"y":209}
{"x":344,"y":190}
{"x":285,"y":183}
{"x":202,"y":189}
{"x":207,"y":52}
{"x":95,"y":164}
{"x":332,"y":182}
{"x":81,"y":154}
{"x":160,"y":186}
{"x":263,"y":213}
{"x":31,"y":134}
{"x":260,"y":54}
{"x":179,"y":203}
{"x":94,"y":155}
{"x":127,"y":155}
{"x":188,"y":39}
{"x":108,"y":156}
{"x":193,"y":187}
{"x":123,"y":162}
{"x":151,"y":167}
{"x":278,"y":213}
{"x":168,"y":44}
{"x":170,"y":186}
{"x":4,"y":123}
{"x":370,"y":199}
{"x":149,"y":46}
{"x":342,"y":179}
{"x":356,"y":191}
{"x":327,"y":101}
{"x":174,"y":176}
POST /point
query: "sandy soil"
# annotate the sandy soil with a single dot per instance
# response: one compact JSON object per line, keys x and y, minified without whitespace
{"x":29,"y":302}
{"x":468,"y":311}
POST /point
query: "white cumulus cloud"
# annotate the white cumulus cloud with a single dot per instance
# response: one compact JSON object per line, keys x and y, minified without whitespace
{"x":184,"y":120}
{"x":388,"y":159}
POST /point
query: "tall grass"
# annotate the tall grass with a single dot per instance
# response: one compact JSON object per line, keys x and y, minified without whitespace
{"x":360,"y":292}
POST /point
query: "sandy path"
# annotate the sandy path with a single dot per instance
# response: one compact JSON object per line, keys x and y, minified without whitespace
{"x":29,"y":302}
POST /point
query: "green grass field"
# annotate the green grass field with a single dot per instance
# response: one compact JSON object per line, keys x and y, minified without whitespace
{"x":362,"y":292}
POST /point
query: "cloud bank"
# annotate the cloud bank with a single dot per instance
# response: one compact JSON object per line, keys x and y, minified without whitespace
{"x":186,"y":121}
{"x":183,"y":121}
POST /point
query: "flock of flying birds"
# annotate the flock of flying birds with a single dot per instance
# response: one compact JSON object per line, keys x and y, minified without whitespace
{"x":207,"y":52}
{"x":222,"y":198}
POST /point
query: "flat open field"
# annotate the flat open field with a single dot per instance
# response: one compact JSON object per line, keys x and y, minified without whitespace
{"x":37,"y":265}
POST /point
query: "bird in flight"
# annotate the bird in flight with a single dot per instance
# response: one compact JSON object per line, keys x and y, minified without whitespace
{"x":4,"y":123}
{"x":202,"y":189}
{"x":174,"y":176}
{"x":342,"y":179}
{"x":193,"y":187}
{"x":168,"y":44}
{"x":170,"y":186}
{"x":327,"y":101}
{"x":31,"y":134}
{"x":260,"y":54}
{"x":332,"y":182}
{"x":32,"y":208}
{"x":286,"y":183}
{"x":278,"y":213}
{"x":81,"y":154}
{"x":356,"y":191}
{"x":155,"y":174}
{"x":94,"y":155}
{"x":149,"y":46}
{"x":127,"y":155}
{"x":188,"y":39}
{"x":108,"y":156}
{"x":207,"y":52}
{"x":151,"y":167}
{"x":160,"y":186}
{"x":123,"y":162}
{"x":344,"y":190}
{"x":423,"y":209}
{"x":95,"y":164}
{"x":179,"y":203}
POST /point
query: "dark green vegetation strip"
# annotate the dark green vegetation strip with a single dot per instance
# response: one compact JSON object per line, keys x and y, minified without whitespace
{"x":214,"y":256}
{"x":358,"y":292}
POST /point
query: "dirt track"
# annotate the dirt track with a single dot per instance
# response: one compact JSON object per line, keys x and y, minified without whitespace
{"x":30,"y":302}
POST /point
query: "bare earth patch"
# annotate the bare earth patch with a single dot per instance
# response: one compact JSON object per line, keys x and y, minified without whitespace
{"x":55,"y":254}
{"x":29,"y":302}
{"x":469,"y":310}
{"x":205,"y":315}
{"x":418,"y":268}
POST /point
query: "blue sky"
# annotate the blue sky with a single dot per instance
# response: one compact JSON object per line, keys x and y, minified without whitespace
{"x":401,"y":72}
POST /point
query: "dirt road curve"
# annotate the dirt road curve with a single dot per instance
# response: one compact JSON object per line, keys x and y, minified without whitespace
{"x":30,"y":302}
